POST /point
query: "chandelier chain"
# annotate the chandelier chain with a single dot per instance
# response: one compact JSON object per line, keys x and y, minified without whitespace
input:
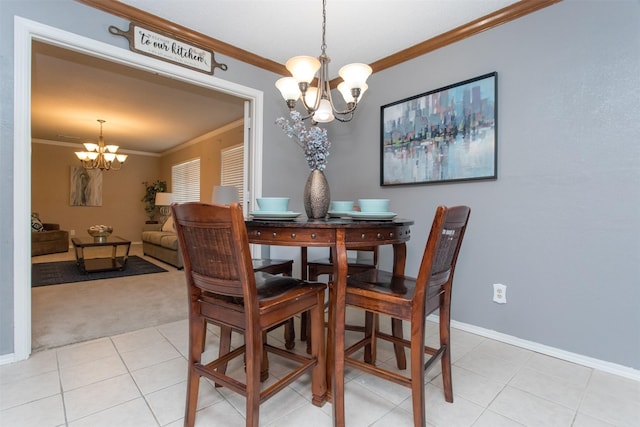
{"x":324,"y":27}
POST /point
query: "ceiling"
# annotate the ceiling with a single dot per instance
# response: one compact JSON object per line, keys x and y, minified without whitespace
{"x":147,"y":112}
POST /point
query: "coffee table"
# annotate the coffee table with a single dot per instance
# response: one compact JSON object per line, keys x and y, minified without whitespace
{"x":92,"y":265}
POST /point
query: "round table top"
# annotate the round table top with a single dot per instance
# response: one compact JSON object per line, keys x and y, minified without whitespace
{"x":324,"y":232}
{"x":328,"y":222}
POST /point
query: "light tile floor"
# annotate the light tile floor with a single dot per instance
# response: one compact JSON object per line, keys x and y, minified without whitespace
{"x":138,"y":379}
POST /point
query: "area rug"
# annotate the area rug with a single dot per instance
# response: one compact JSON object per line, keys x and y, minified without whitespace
{"x":53,"y":273}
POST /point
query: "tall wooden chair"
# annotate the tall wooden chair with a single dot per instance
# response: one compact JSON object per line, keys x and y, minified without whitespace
{"x":412,"y":299}
{"x":227,"y":194}
{"x":365,"y":258}
{"x":224,"y":290}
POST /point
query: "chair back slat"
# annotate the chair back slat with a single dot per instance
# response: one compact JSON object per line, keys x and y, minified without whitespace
{"x":441,"y":252}
{"x":212,"y":248}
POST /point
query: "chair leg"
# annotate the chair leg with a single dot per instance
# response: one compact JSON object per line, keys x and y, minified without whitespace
{"x":396,"y":330}
{"x":417,"y":379}
{"x":289,"y":329}
{"x":289,"y":335}
{"x":304,"y":327}
{"x":264,"y":365}
{"x":370,"y":328}
{"x":308,"y":324}
{"x":445,"y":341}
{"x":254,"y":356}
{"x":197,"y":329}
{"x":224,"y":347}
{"x":319,"y":373}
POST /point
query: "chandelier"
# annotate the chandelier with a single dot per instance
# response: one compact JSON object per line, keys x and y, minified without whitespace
{"x":100,"y":156}
{"x":317,"y":100}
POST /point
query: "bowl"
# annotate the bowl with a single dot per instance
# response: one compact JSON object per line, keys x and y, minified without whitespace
{"x":100,"y":232}
{"x":374,"y":205}
{"x":273,"y":204}
{"x":341,"y":206}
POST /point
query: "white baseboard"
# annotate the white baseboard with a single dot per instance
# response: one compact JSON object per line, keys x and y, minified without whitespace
{"x":7,"y":358}
{"x":590,"y":362}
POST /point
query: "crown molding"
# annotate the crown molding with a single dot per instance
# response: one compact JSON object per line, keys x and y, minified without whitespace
{"x":492,"y":20}
{"x":499,"y":17}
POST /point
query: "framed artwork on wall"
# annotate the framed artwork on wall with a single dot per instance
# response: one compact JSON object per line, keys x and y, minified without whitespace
{"x":85,"y":188}
{"x":445,"y":135}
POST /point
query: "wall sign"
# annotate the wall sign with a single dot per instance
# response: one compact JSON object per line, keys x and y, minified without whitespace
{"x":162,"y":46}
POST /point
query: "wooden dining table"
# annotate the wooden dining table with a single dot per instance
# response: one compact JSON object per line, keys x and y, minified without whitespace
{"x":340,"y":235}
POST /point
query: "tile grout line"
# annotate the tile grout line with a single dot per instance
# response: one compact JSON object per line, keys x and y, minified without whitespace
{"x":62,"y":397}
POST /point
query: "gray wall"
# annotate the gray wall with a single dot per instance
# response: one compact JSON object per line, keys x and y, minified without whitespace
{"x":561,"y":225}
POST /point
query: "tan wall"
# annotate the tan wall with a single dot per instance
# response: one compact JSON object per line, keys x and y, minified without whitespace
{"x":208,"y":150}
{"x":122,"y":192}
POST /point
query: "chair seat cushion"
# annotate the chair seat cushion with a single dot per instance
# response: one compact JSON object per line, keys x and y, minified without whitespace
{"x":383,"y":282}
{"x":402,"y":287}
{"x":269,"y":285}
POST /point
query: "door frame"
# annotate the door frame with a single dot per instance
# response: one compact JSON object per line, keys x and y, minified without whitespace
{"x":25,"y":32}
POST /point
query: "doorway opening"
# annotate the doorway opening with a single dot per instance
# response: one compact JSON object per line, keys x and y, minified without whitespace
{"x":26,"y":32}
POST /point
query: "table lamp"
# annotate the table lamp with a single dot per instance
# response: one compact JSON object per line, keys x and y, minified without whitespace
{"x":225,"y":194}
{"x":164,"y":200}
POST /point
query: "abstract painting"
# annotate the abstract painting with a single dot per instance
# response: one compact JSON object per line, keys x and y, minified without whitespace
{"x":445,"y":135}
{"x":86,"y":187}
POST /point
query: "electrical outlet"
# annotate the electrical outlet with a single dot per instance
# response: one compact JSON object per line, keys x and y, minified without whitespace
{"x":499,"y":293}
{"x":72,"y":233}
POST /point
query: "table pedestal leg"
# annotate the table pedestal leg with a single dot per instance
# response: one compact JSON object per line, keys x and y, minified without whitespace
{"x":336,"y":328}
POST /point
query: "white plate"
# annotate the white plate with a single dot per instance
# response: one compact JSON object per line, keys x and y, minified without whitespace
{"x":274,"y":215}
{"x":372,"y":215}
{"x":346,"y":214}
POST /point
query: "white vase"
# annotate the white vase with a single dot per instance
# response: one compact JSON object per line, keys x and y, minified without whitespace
{"x":316,"y":195}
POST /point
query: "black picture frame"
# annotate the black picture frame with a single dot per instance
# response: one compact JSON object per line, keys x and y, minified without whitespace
{"x":441,"y":136}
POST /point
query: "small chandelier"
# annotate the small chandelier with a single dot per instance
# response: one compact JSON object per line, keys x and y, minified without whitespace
{"x":100,"y":156}
{"x":317,"y":100}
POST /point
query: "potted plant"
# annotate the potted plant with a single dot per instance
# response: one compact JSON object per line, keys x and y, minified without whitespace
{"x":149,"y":198}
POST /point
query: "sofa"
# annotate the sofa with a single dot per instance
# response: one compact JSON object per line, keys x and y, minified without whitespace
{"x":161,"y":242}
{"x":49,"y":240}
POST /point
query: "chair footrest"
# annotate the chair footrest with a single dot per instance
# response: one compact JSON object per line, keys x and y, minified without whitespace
{"x":379,"y":372}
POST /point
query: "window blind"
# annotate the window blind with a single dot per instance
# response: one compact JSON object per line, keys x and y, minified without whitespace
{"x":185,"y":181}
{"x":232,"y":169}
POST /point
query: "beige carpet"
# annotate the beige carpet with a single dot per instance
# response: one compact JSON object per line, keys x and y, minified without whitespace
{"x":75,"y":312}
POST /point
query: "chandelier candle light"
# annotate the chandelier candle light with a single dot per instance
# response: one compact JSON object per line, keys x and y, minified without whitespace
{"x":317,"y":100}
{"x":101,"y":156}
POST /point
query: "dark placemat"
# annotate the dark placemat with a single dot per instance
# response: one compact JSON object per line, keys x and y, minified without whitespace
{"x":54,"y":273}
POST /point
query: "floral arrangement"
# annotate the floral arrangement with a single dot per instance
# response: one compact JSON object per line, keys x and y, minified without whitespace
{"x":313,"y":141}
